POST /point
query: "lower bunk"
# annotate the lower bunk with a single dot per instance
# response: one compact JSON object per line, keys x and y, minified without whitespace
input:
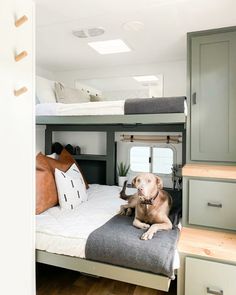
{"x":93,"y":239}
{"x":109,"y":271}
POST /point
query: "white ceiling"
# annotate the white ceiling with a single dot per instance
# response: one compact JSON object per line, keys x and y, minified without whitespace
{"x":163,"y":37}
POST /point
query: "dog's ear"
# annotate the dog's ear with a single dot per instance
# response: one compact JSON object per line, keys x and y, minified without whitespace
{"x":134,"y":182}
{"x":159,"y":182}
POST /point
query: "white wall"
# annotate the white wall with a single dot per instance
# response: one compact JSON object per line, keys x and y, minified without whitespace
{"x":40,"y":71}
{"x":174,"y":75}
{"x":17,"y":247}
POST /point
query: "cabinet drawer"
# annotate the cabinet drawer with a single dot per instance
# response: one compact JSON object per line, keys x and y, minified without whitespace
{"x":212,"y":203}
{"x":206,"y":277}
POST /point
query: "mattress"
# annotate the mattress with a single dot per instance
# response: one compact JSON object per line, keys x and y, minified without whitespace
{"x":115,"y":107}
{"x":66,"y":232}
{"x":81,"y":109}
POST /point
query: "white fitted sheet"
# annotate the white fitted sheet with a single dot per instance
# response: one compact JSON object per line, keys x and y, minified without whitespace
{"x":66,"y":232}
{"x":115,"y":107}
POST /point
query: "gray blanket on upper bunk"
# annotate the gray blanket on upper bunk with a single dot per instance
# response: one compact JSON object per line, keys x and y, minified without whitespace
{"x":156,"y":105}
{"x":118,"y":242}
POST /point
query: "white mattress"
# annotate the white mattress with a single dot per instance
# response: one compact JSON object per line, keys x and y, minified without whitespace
{"x":115,"y":107}
{"x":65,"y":232}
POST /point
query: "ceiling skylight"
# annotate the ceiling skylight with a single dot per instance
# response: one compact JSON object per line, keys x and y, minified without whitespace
{"x":146,"y":78}
{"x":109,"y":46}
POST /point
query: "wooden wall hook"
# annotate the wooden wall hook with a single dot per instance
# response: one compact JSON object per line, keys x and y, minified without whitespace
{"x":20,"y":91}
{"x":21,"y":55}
{"x":20,"y":21}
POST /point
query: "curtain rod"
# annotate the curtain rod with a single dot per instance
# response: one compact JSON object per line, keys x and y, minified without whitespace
{"x":152,"y":138}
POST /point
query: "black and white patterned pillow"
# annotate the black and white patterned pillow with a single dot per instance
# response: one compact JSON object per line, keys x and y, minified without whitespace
{"x":70,"y":187}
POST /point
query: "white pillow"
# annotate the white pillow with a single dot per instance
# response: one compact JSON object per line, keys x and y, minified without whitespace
{"x":70,"y":95}
{"x":70,"y":187}
{"x":45,"y":90}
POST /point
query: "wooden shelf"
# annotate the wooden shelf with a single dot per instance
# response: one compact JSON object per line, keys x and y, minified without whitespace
{"x":211,"y":171}
{"x":205,"y":243}
{"x":90,"y":157}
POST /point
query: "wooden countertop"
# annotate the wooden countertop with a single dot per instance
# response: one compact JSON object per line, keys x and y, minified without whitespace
{"x":205,"y":243}
{"x":211,"y":171}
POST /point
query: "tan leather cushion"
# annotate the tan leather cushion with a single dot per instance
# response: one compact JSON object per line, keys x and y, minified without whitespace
{"x":46,"y":191}
{"x":66,"y":157}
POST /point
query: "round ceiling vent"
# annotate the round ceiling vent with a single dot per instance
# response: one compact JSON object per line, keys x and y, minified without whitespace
{"x":90,"y":32}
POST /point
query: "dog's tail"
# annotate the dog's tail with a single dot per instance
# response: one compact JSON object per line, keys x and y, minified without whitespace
{"x":122,"y":192}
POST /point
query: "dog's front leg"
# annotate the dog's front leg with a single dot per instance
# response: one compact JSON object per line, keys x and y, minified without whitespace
{"x":148,"y":235}
{"x":137,"y":223}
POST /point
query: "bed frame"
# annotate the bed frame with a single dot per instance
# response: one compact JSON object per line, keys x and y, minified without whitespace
{"x":106,"y":165}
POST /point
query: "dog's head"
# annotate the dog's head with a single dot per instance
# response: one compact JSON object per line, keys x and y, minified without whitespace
{"x":147,"y":184}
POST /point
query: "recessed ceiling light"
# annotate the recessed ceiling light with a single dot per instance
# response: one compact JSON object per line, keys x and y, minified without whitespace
{"x":109,"y":46}
{"x":146,"y":78}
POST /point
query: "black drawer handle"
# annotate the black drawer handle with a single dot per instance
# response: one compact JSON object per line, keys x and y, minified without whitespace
{"x":194,"y":98}
{"x":217,"y":205}
{"x":210,"y":291}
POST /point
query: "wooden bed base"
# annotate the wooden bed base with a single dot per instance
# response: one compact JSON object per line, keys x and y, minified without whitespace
{"x":109,"y":271}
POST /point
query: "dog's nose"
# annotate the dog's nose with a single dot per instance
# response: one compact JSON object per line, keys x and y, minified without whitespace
{"x":140,"y":190}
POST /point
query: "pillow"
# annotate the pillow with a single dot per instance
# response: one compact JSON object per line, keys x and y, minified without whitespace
{"x":45,"y":90}
{"x":65,"y":156}
{"x":70,"y":95}
{"x":46,"y":191}
{"x":95,"y":98}
{"x":71,"y":188}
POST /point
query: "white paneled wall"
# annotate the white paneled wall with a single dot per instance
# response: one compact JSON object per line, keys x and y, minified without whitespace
{"x":17,"y":149}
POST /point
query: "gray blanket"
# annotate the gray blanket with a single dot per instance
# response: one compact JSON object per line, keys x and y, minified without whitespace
{"x":156,"y":105}
{"x":118,"y":242}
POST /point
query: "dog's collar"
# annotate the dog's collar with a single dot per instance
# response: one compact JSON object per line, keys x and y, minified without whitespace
{"x":149,"y":201}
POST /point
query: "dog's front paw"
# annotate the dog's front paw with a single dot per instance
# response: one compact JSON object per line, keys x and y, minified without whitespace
{"x":122,"y":211}
{"x":147,"y":236}
{"x":145,"y":226}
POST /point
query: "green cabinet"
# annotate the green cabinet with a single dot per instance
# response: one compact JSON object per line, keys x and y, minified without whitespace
{"x":212,"y":96}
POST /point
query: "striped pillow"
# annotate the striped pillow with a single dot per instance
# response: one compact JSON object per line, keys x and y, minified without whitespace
{"x":70,"y":187}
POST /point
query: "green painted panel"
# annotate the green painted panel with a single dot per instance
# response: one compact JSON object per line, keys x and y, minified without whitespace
{"x":213,"y":98}
{"x":212,"y":203}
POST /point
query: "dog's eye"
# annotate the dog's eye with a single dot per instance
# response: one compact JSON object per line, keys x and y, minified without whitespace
{"x":138,"y":180}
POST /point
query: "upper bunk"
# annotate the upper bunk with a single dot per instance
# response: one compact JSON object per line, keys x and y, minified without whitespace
{"x":60,"y":105}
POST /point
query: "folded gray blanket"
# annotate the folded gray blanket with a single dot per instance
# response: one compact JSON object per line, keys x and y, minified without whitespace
{"x":156,"y":105}
{"x":118,"y":242}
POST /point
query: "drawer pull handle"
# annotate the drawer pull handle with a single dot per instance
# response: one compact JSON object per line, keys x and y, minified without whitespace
{"x":210,"y":291}
{"x":219,"y":205}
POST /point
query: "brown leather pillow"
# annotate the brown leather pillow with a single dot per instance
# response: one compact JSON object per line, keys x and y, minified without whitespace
{"x":46,"y":191}
{"x":65,"y":156}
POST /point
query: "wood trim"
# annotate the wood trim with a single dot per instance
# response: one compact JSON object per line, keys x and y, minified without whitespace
{"x":210,"y":171}
{"x":205,"y":243}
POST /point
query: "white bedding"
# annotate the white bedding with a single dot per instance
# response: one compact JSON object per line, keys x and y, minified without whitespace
{"x":115,"y":107}
{"x":65,"y":232}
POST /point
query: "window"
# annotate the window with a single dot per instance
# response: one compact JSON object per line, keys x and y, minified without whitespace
{"x":158,"y":160}
{"x":139,"y":158}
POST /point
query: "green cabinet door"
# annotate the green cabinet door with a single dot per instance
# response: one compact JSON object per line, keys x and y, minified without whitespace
{"x":213,"y":97}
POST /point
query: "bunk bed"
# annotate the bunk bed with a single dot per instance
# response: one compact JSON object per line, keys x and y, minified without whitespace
{"x":101,"y":169}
